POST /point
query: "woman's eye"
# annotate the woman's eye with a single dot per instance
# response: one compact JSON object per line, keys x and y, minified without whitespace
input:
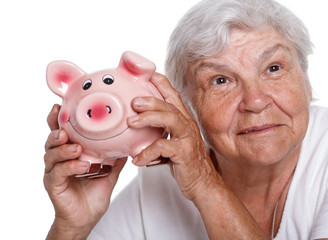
{"x":274,"y":68}
{"x":220,"y":80}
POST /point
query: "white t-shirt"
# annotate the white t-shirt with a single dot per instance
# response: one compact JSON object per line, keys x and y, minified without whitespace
{"x":152,"y":206}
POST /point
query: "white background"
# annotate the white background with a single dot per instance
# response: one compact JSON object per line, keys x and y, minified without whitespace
{"x":92,"y":34}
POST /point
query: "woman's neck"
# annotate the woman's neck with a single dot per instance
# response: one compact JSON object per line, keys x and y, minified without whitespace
{"x":262,"y":189}
{"x":248,"y":180}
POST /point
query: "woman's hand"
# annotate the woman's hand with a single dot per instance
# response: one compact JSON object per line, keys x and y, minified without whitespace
{"x":190,"y":164}
{"x":79,"y":202}
{"x":221,"y":211}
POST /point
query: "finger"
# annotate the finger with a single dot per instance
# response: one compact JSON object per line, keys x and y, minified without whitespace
{"x":52,"y":118}
{"x":172,"y":122}
{"x":61,"y":154}
{"x":55,"y":139}
{"x":168,"y":92}
{"x":141,"y":104}
{"x":160,"y":149}
{"x":59,"y":174}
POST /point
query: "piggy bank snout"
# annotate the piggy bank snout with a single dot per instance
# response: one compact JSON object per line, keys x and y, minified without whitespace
{"x":99,"y":112}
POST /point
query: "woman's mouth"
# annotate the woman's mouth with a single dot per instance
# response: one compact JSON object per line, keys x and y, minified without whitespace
{"x":258,"y":129}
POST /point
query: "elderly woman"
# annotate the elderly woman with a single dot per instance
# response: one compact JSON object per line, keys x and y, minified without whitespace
{"x":240,"y":67}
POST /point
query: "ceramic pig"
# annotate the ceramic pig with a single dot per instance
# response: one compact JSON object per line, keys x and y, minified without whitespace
{"x":96,"y":106}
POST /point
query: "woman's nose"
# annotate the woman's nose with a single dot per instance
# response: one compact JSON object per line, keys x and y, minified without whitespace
{"x":254,"y":99}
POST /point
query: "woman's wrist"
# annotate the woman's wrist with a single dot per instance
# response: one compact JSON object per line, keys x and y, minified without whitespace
{"x":208,"y":192}
{"x":209,"y":182}
{"x":61,"y":230}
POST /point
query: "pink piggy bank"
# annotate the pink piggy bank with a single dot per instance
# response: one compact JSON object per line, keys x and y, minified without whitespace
{"x":95,"y":108}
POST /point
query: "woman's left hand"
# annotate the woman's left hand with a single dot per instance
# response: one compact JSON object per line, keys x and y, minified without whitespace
{"x":190,"y":163}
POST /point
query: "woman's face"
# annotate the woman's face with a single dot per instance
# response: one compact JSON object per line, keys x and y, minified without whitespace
{"x":253,"y":100}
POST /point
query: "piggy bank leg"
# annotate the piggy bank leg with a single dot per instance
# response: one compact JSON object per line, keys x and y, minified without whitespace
{"x":99,"y":170}
{"x":105,"y":168}
{"x":96,"y":169}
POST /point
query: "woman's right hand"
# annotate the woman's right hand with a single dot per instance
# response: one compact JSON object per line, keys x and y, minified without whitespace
{"x":79,"y":202}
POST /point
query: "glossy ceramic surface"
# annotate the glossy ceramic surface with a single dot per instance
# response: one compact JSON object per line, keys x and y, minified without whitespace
{"x":96,"y":106}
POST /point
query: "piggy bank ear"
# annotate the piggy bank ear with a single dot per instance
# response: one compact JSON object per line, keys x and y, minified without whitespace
{"x":61,"y":74}
{"x":137,"y":65}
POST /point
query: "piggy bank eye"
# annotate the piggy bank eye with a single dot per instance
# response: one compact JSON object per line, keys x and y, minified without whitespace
{"x":108,"y":79}
{"x":87,"y":84}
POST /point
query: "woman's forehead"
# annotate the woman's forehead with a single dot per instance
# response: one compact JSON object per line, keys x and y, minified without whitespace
{"x":249,"y":45}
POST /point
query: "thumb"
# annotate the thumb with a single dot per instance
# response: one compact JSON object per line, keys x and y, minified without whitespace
{"x":53,"y":117}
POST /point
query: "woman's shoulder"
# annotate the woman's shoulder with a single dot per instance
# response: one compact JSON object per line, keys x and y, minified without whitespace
{"x":311,"y":173}
{"x":318,"y":119}
{"x":317,"y":134}
{"x":312,"y":169}
{"x":314,"y":154}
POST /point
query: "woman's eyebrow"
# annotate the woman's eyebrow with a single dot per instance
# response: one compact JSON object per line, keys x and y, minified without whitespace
{"x":203,"y":66}
{"x":211,"y":65}
{"x":269,"y":52}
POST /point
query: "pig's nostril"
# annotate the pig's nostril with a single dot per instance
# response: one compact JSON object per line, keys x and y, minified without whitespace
{"x":89,"y":113}
{"x":109,"y":109}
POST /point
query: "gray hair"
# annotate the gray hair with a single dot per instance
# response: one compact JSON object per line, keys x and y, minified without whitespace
{"x":204,"y":32}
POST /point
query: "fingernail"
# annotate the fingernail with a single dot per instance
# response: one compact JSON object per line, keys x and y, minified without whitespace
{"x":74,"y":148}
{"x":138,"y":102}
{"x":156,"y":77}
{"x":84,"y":164}
{"x":58,"y":133}
{"x":135,"y":160}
